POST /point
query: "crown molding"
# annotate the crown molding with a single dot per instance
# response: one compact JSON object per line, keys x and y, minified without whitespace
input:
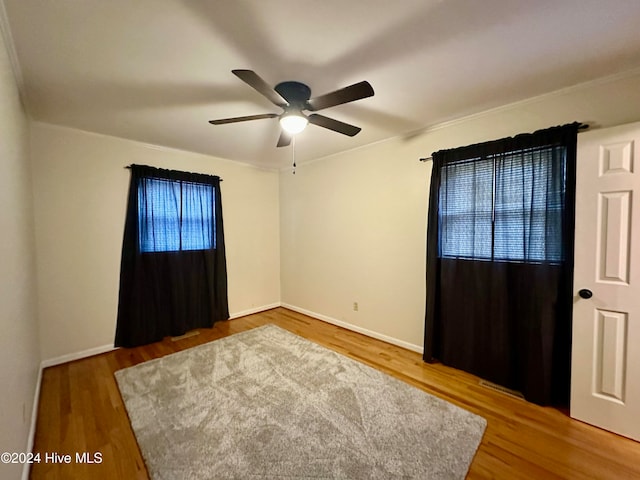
{"x":5,"y":30}
{"x":528,"y":101}
{"x":633,"y":72}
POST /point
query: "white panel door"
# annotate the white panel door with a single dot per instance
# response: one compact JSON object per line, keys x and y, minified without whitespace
{"x":605,"y":368}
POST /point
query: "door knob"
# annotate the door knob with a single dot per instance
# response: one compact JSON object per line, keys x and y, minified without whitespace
{"x":585,"y":293}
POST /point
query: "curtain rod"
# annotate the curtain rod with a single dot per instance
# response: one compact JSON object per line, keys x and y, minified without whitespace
{"x":582,"y":126}
{"x":128,"y":167}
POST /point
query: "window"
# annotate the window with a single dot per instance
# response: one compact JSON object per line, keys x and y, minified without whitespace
{"x":500,"y":239}
{"x":504,"y":207}
{"x":175,"y":215}
{"x":173,"y":272}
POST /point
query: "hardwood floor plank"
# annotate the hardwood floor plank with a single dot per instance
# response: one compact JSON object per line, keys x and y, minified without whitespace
{"x":81,"y":410}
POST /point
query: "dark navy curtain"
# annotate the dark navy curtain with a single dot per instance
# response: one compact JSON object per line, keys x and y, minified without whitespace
{"x":173,"y":275}
{"x":500,"y":261}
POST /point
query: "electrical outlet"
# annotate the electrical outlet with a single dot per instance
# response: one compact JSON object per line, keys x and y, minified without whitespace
{"x":355,"y":306}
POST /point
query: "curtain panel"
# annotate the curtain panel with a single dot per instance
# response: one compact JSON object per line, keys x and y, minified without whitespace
{"x":173,"y":274}
{"x":500,"y":261}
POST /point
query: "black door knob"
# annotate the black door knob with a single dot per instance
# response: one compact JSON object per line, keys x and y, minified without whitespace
{"x":585,"y":293}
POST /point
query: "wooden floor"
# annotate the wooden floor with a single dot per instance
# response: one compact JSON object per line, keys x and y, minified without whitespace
{"x":81,"y":411}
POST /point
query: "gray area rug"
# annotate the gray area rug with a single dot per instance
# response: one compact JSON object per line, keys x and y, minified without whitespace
{"x":269,"y":404}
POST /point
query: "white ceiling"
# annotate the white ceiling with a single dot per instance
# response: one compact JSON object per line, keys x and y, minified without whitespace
{"x":157,"y":70}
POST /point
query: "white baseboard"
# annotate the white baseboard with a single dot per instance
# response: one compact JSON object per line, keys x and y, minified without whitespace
{"x":355,"y":328}
{"x":251,"y":311}
{"x":26,"y":468}
{"x":70,"y":357}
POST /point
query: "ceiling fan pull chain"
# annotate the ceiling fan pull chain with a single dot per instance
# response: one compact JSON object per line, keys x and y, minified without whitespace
{"x":293,"y":153}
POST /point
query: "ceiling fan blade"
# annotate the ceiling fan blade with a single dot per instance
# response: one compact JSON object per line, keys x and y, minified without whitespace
{"x":222,"y":121}
{"x":252,"y":79}
{"x":338,"y":97}
{"x":284,"y":140}
{"x":332,"y":124}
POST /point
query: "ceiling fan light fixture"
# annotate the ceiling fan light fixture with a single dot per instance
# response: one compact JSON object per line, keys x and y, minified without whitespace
{"x":293,"y":122}
{"x":294,"y":98}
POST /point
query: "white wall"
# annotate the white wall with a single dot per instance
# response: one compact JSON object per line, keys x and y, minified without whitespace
{"x":80,"y":194}
{"x":19,"y":355}
{"x":353,"y":225}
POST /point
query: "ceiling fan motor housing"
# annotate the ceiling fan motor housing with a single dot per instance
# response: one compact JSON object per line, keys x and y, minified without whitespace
{"x":295,"y":93}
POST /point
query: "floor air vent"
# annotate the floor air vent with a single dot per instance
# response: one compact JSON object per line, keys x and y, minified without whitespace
{"x":186,"y":335}
{"x":501,"y":389}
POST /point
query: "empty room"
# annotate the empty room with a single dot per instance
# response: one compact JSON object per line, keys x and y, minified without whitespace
{"x":347,"y":239}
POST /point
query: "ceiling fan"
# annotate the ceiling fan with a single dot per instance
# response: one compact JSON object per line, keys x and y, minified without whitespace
{"x":294,"y":97}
